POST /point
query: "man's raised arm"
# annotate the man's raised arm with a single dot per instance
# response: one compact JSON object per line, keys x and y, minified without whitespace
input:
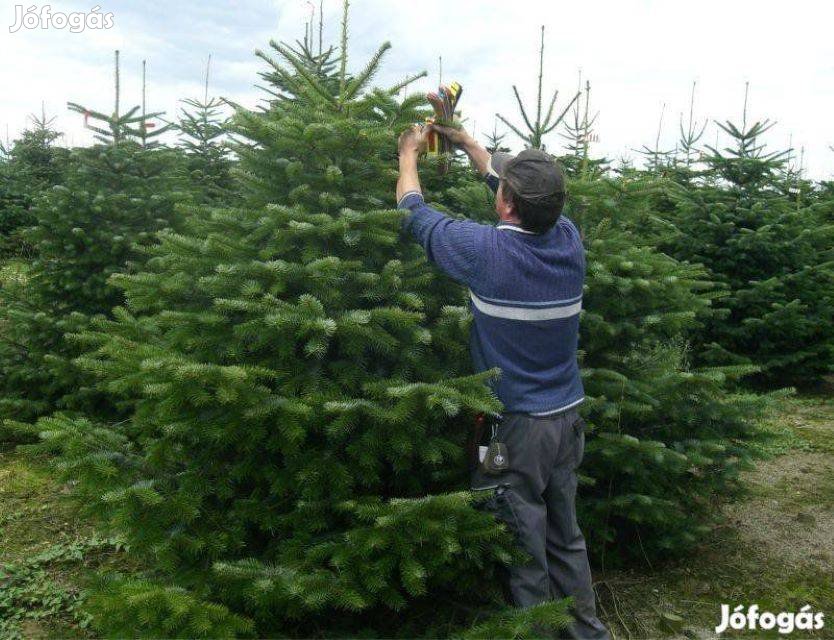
{"x":448,"y":242}
{"x":478,"y":155}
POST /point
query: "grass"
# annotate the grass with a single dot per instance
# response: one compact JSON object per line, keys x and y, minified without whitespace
{"x":13,"y":272}
{"x":726,"y":570}
{"x":775,"y":547}
{"x":46,"y":555}
{"x":812,"y":419}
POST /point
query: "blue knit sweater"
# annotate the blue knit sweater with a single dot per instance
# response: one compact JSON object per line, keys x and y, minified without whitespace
{"x":525,"y":295}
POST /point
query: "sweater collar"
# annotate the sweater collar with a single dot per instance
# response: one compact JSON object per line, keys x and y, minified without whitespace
{"x":510,"y":226}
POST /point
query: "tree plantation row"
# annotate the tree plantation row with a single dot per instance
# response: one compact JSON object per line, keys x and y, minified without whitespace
{"x":253,"y":377}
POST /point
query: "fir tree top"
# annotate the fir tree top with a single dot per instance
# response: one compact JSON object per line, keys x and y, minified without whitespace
{"x":541,"y":125}
{"x":135,"y":124}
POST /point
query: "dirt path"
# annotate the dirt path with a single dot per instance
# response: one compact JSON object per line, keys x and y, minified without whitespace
{"x":775,"y":548}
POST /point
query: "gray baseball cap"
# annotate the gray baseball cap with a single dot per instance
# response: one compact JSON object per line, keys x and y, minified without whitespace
{"x":532,"y":174}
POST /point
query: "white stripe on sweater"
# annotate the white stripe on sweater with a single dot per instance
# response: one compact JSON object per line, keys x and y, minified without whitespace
{"x":525,"y":313}
{"x":559,"y":410}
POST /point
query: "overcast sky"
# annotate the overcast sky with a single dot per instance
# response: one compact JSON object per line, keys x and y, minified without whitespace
{"x":638,"y":55}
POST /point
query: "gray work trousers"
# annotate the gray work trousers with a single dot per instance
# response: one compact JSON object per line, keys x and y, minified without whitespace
{"x":536,"y":498}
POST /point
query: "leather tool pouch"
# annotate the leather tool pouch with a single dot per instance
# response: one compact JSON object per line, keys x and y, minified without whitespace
{"x":496,"y":459}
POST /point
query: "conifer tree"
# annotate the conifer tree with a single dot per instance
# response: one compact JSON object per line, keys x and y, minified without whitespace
{"x":324,"y":65}
{"x":681,"y":164}
{"x":203,"y":130}
{"x":111,"y":199}
{"x":14,"y":214}
{"x":659,"y":161}
{"x":133,"y":125}
{"x":40,"y":159}
{"x":671,"y":437}
{"x":31,"y":164}
{"x":294,"y":463}
{"x":543,"y":123}
{"x":671,"y":170}
{"x":688,"y":152}
{"x":773,"y":253}
{"x":580,"y":132}
{"x":495,"y":140}
{"x":792,"y":181}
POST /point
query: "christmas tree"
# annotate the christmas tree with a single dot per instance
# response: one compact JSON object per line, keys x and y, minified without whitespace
{"x":771,"y":248}
{"x":544,"y":122}
{"x":203,"y":131}
{"x":580,"y":132}
{"x":111,"y":199}
{"x":294,"y":460}
{"x":668,"y":171}
{"x":689,"y":152}
{"x":134,"y":125}
{"x":670,"y":437}
{"x":495,"y":140}
{"x":658,"y":161}
{"x":31,"y":164}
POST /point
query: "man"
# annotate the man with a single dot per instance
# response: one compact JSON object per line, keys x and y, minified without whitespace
{"x":525,"y":277}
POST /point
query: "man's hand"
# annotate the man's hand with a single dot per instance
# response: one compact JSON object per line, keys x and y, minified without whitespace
{"x":460,"y":138}
{"x":412,"y":141}
{"x":457,"y":137}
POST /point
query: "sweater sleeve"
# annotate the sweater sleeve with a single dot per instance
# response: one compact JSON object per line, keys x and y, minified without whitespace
{"x":449,"y":243}
{"x":491,"y":177}
{"x":492,"y":182}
